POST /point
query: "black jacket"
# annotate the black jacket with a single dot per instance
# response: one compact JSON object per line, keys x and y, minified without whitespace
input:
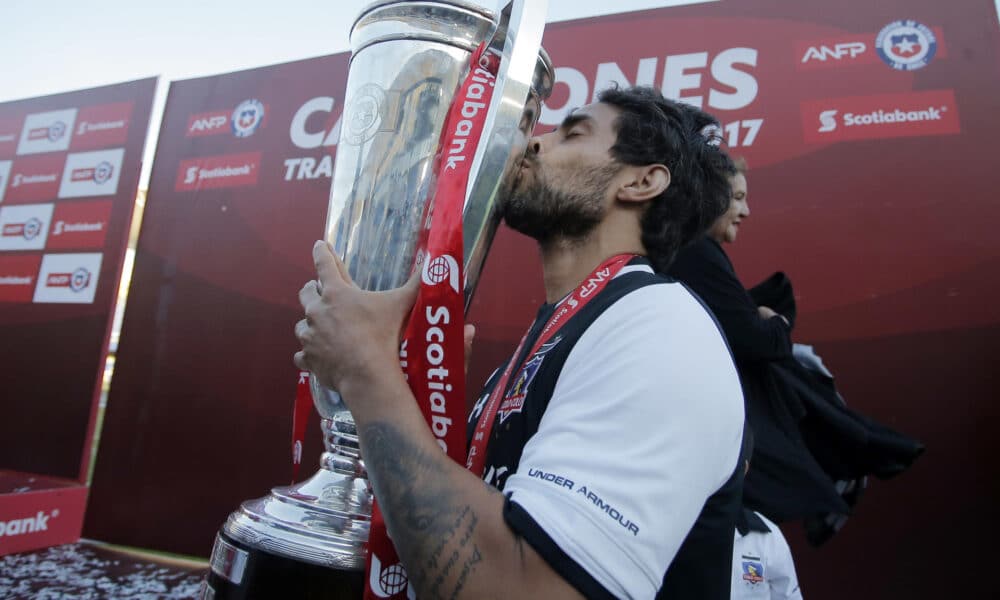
{"x":811,"y":453}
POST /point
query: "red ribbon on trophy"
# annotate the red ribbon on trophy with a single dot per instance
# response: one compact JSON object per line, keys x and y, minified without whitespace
{"x":432,"y":353}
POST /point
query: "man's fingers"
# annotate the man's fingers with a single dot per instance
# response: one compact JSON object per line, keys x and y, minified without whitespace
{"x":308,"y":293}
{"x":326,"y":266}
{"x":300,"y":330}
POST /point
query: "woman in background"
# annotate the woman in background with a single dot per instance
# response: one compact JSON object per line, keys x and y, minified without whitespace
{"x":786,"y":481}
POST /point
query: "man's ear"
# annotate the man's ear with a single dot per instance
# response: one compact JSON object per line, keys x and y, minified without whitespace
{"x":645,"y":183}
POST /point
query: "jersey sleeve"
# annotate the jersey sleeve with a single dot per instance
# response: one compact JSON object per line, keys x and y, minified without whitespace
{"x":644,"y":424}
{"x":781,"y":568}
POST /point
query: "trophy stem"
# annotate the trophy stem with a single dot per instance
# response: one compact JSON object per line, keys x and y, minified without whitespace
{"x":309,"y":535}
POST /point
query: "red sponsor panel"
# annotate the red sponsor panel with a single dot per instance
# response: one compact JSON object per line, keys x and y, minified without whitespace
{"x":880,"y":117}
{"x":18,"y":275}
{"x":102,"y":125}
{"x":47,"y":428}
{"x":79,"y":225}
{"x":34,"y":179}
{"x":210,"y":172}
{"x":38,"y":518}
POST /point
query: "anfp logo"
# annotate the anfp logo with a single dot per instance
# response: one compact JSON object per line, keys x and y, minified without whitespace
{"x":79,"y":280}
{"x":56,"y":131}
{"x":103,"y":172}
{"x":821,"y":53}
{"x":439,"y":269}
{"x":32,"y":228}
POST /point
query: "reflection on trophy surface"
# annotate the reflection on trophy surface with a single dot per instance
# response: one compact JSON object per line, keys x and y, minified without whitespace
{"x":408,"y":60}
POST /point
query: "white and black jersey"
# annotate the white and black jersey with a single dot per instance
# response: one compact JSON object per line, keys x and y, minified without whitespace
{"x":620,"y":465}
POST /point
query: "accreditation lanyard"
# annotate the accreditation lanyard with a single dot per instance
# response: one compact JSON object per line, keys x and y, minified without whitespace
{"x":571,"y":305}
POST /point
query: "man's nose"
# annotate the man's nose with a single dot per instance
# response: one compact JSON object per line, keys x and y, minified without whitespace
{"x":535,"y":145}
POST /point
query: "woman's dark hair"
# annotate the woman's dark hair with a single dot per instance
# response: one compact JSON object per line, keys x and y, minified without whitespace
{"x":654,"y":130}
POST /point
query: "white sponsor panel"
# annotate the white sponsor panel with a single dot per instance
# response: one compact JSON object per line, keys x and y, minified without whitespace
{"x":68,"y":278}
{"x":91,"y":173}
{"x":47,"y":132}
{"x":4,"y":176}
{"x":25,"y":226}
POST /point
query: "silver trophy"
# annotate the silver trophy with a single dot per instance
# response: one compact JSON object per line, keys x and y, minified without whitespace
{"x":408,"y":60}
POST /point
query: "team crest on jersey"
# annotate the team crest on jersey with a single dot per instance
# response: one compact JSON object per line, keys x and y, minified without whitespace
{"x":513,"y":402}
{"x":753,"y":572}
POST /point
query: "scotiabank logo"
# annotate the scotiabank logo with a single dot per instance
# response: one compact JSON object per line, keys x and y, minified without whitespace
{"x":440,"y":269}
{"x":25,"y":226}
{"x":208,"y":172}
{"x":47,"y":132}
{"x":91,"y":173}
{"x":79,"y":225}
{"x":882,"y":116}
{"x":39,"y":522}
{"x":241,"y":121}
{"x":68,"y":278}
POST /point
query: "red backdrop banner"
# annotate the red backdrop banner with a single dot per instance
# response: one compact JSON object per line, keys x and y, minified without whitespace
{"x":200,"y":410}
{"x":868,"y":128}
{"x":69,"y":170}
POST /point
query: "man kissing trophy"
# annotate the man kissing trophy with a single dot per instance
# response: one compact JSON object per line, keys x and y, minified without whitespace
{"x":441,"y":98}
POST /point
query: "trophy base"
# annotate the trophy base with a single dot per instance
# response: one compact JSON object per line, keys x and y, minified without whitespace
{"x":241,"y":572}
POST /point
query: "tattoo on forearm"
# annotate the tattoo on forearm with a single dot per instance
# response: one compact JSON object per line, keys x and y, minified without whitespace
{"x":433,"y":534}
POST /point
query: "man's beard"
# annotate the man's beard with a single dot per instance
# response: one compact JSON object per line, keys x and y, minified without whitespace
{"x":539,"y":210}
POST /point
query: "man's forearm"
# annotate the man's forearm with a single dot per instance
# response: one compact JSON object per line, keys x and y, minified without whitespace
{"x":446,"y":524}
{"x":435,"y":527}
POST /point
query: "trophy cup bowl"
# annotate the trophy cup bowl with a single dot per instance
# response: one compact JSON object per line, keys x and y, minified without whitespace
{"x":408,"y":59}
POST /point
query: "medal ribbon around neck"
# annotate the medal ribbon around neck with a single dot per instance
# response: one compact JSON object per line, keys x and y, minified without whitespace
{"x":570,"y":305}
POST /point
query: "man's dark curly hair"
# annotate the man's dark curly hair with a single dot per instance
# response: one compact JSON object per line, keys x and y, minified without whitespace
{"x":654,"y":130}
